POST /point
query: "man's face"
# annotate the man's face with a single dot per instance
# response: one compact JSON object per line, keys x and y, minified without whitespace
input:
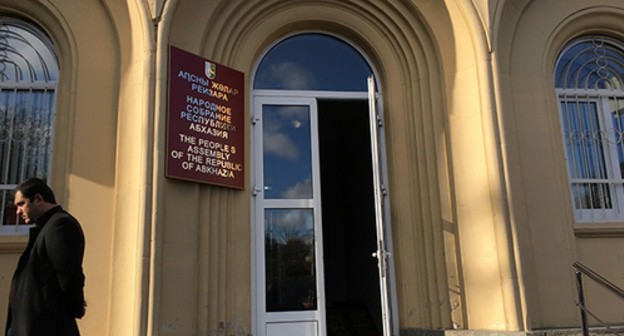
{"x":28,"y":210}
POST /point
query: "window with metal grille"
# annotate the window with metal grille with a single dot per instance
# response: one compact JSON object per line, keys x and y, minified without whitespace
{"x":589,"y":80}
{"x":28,"y":80}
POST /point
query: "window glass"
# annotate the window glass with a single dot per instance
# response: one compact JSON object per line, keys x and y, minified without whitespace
{"x":617,"y":135}
{"x":28,"y":78}
{"x":594,"y":63}
{"x":287,"y":152}
{"x":585,"y":148}
{"x":313,"y":62}
{"x":290,"y":263}
{"x":584,"y":140}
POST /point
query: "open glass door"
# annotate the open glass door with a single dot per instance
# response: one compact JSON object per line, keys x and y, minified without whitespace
{"x":287,"y":202}
{"x":319,"y":206}
{"x":380,"y":194}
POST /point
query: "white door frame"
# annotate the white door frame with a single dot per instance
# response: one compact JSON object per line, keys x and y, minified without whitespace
{"x":291,"y":322}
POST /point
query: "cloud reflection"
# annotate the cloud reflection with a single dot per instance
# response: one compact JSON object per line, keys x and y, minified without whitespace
{"x":287,"y":151}
{"x":291,"y":76}
{"x":302,"y":189}
{"x":284,"y":225}
{"x":281,"y":145}
{"x":281,"y":128}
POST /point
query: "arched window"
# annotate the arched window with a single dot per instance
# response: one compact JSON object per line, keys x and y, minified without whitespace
{"x":313,"y":62}
{"x":589,"y":79}
{"x":28,"y":80}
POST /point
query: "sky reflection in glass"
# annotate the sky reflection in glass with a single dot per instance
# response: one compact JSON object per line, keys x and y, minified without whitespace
{"x":287,"y":152}
{"x":24,"y":56}
{"x":313,"y":62}
{"x":591,"y":64}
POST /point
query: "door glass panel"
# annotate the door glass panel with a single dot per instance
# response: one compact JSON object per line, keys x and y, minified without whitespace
{"x":290,"y":262}
{"x":287,"y":152}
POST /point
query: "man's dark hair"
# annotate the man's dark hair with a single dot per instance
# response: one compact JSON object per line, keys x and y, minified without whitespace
{"x":34,"y":186}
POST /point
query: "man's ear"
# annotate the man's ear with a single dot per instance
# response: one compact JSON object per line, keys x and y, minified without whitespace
{"x":37,"y":198}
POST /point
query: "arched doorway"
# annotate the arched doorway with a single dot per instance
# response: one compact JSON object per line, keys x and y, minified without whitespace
{"x":317,"y":193}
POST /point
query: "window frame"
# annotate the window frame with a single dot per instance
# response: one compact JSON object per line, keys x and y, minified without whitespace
{"x":611,"y":206}
{"x":609,"y":155}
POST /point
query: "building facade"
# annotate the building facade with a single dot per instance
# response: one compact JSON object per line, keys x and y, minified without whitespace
{"x":492,"y":164}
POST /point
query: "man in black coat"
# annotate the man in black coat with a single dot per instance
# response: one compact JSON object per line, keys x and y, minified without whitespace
{"x":47,"y":289}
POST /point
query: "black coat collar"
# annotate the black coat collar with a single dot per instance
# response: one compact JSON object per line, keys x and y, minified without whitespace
{"x":41,"y":220}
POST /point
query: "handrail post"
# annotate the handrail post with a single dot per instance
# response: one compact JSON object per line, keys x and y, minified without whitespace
{"x":581,"y":302}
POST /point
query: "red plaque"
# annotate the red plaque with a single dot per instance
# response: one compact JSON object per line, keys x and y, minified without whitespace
{"x":205,"y":128}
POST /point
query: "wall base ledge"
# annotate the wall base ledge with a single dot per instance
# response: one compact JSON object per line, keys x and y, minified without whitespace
{"x":542,"y":332}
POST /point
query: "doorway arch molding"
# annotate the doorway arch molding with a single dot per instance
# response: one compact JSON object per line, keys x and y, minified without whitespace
{"x":398,"y":43}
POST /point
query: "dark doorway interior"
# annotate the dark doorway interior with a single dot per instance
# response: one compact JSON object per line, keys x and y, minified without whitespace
{"x":349,"y":234}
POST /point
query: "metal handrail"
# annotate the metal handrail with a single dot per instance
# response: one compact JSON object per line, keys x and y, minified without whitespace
{"x":602,"y":281}
{"x":599,"y":279}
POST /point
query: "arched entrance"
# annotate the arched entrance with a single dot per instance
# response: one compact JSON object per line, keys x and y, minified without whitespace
{"x":318,"y":200}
